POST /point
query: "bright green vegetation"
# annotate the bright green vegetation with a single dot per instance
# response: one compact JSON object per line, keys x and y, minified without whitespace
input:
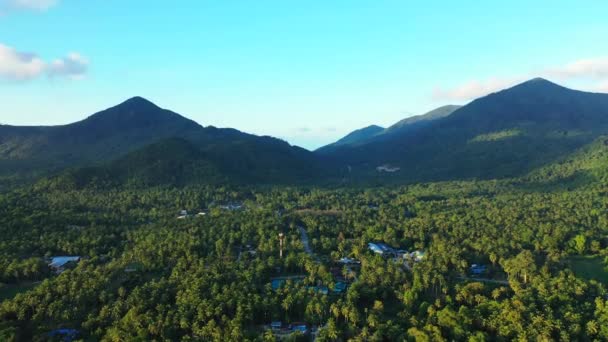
{"x":194,"y":282}
{"x":589,"y":267}
{"x":494,"y":136}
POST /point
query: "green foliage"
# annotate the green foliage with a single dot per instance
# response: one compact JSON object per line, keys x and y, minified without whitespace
{"x":494,"y":136}
{"x":146,"y":275}
{"x":589,"y":267}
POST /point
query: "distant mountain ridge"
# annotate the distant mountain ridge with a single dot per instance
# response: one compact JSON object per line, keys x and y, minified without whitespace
{"x":510,"y":133}
{"x":434,"y":114}
{"x":504,"y":134}
{"x":133,"y":125}
{"x":106,"y":134}
{"x":374,"y":132}
{"x":357,"y":136}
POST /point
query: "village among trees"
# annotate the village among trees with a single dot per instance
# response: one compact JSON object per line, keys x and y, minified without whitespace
{"x":464,"y":261}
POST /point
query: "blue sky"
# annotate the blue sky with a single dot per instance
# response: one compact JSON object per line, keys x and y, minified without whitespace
{"x":305,"y":71}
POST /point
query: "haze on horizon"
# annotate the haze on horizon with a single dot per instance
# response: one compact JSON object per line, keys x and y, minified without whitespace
{"x":307,"y":72}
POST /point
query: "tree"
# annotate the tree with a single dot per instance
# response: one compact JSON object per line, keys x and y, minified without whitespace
{"x":523,"y":265}
{"x":580,"y":244}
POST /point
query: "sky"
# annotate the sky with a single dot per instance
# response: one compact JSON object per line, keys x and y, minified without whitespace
{"x":308,"y":71}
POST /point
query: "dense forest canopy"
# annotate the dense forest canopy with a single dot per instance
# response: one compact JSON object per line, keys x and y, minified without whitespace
{"x":146,"y":274}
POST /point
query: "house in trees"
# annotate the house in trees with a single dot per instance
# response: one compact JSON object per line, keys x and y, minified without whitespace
{"x":285,"y":331}
{"x":234,"y":206}
{"x":183,"y":214}
{"x":277,"y":283}
{"x":348,"y":261}
{"x":340,"y":287}
{"x":300,"y":327}
{"x":60,"y":263}
{"x":417,"y":256}
{"x":387,"y":168}
{"x":478,"y":269}
{"x":381,"y":248}
{"x":64,"y":334}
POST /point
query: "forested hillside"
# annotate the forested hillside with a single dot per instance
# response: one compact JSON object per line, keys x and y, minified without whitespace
{"x":502,"y":260}
{"x":374,"y":133}
{"x":178,"y":162}
{"x":137,"y":128}
{"x":506,"y":134}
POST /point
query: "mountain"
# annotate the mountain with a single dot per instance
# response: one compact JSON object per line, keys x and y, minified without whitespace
{"x":587,"y":165}
{"x":434,"y":114}
{"x":104,"y":135}
{"x":172,"y":161}
{"x":356,"y":137}
{"x":505,"y":134}
{"x":179,"y":162}
{"x":133,"y":126}
{"x":360,"y":135}
{"x":377,"y":133}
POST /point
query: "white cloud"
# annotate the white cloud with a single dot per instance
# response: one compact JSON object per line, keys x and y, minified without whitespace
{"x":590,"y":70}
{"x":602,"y":87}
{"x":35,"y":5}
{"x":473,"y":89}
{"x":304,"y":129}
{"x":596,"y":68}
{"x":24,"y":66}
{"x":73,"y":66}
{"x":19,"y":66}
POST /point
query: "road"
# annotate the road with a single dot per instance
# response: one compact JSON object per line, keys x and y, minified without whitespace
{"x":305,"y":242}
{"x":304,"y":237}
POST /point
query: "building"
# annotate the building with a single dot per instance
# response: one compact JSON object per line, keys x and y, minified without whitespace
{"x":64,"y":334}
{"x":301,"y":327}
{"x":232,"y":206}
{"x":348,"y":261}
{"x":387,"y":168}
{"x":478,"y":269}
{"x":277,"y":283}
{"x":59,"y":263}
{"x":340,"y":287}
{"x":417,"y":256}
{"x":380,"y":248}
{"x":183,"y":214}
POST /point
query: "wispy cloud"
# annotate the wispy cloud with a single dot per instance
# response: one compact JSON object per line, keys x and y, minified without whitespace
{"x":19,"y":66}
{"x":303,"y":129}
{"x":23,"y":66}
{"x":73,"y":66}
{"x":593,"y":70}
{"x":602,"y":87}
{"x":473,"y":89}
{"x":32,"y":5}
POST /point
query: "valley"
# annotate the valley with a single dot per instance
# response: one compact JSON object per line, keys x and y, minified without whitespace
{"x":464,"y":224}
